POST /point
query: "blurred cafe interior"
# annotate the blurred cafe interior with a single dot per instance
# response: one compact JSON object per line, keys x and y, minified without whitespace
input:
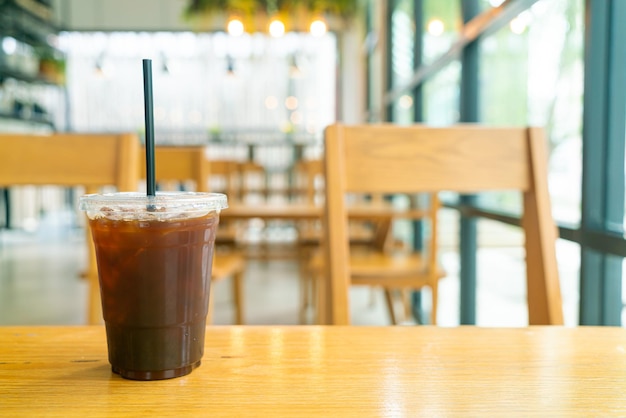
{"x":255,"y":92}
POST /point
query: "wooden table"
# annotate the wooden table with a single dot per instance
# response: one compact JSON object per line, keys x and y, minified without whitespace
{"x":381,"y":214}
{"x":327,"y":371}
{"x":304,"y":211}
{"x":295,"y":211}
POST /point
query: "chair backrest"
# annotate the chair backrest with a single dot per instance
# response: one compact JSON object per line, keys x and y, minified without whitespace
{"x":311,"y":172}
{"x":226,"y":174}
{"x":90,"y":160}
{"x":179,"y":163}
{"x":252,"y":180}
{"x":464,"y":158}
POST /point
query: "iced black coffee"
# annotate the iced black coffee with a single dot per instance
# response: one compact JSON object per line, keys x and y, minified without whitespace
{"x":154,"y":264}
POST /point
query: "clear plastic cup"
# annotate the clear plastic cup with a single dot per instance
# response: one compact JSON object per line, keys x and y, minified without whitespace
{"x":154,"y":256}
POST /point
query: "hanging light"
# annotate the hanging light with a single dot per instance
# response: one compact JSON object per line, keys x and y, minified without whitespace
{"x":277,"y":28}
{"x":165,"y":65}
{"x":99,"y":69}
{"x":230,"y":66}
{"x":405,"y":101}
{"x":271,"y":102}
{"x":435,"y":27}
{"x":254,"y":14}
{"x":517,"y":26}
{"x":291,"y":102}
{"x":294,"y":68}
{"x":235,"y":27}
{"x":318,"y":27}
{"x":9,"y":45}
{"x":103,"y":69}
{"x":520,"y":23}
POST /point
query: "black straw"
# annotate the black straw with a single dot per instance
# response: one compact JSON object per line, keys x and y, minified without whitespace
{"x":149,"y":117}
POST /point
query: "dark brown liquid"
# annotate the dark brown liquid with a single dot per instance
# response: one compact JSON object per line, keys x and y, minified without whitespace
{"x":155,"y":280}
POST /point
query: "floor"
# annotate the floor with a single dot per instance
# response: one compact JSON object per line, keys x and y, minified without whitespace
{"x":40,"y":283}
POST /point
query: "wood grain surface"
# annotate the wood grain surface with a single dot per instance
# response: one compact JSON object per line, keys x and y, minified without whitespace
{"x":327,"y":371}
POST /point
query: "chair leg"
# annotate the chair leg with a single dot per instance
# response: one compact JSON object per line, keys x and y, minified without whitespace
{"x":94,"y":304}
{"x":321,"y":312}
{"x":435,"y":297}
{"x":314,"y":298}
{"x":406,"y":303}
{"x":372,"y":298}
{"x":390,"y":307}
{"x":209,"y":315}
{"x":305,"y":286}
{"x":238,"y":297}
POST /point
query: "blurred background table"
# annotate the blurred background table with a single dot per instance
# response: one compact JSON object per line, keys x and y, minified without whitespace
{"x":328,"y":371}
{"x":300,"y":211}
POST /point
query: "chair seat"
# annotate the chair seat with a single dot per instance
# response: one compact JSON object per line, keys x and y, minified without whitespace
{"x":311,"y":236}
{"x":391,"y":270}
{"x":373,"y":263}
{"x":229,"y":264}
{"x":226,"y":265}
{"x":398,"y":268}
{"x":226,"y":234}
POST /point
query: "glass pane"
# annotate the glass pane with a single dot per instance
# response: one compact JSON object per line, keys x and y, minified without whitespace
{"x":501,"y":291}
{"x":448,"y":312}
{"x":624,"y":222}
{"x":487,"y":4}
{"x":501,"y":286}
{"x":532,"y":74}
{"x":441,"y":96}
{"x":442,"y":21}
{"x":623,"y":292}
{"x":507,"y":202}
{"x":402,"y":60}
{"x":374,"y":70}
{"x":568,"y":259}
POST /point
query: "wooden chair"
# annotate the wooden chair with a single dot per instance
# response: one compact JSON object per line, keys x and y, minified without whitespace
{"x":362,"y":234}
{"x":226,"y":172}
{"x":224,"y":178}
{"x":177,"y":164}
{"x":228,"y":264}
{"x":88,"y":160}
{"x":465,"y":159}
{"x":372,"y":267}
{"x":307,"y":173}
{"x":252,"y":181}
{"x":183,"y":163}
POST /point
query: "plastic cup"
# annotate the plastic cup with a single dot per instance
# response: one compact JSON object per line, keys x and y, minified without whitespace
{"x":154,"y":256}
